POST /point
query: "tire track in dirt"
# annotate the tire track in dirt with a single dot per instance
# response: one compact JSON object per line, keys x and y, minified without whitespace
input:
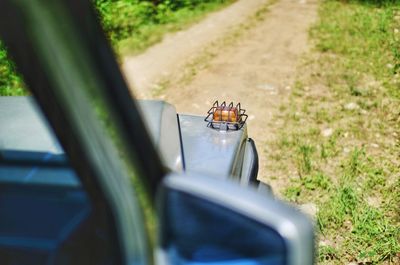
{"x":258,"y":70}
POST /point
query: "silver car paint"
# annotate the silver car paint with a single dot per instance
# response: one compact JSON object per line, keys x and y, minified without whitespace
{"x":210,"y":151}
{"x":23,"y":127}
{"x":162,"y":122}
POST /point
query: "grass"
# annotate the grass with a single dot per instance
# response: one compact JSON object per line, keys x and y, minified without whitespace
{"x":133,"y":27}
{"x":346,"y":159}
{"x":10,"y":82}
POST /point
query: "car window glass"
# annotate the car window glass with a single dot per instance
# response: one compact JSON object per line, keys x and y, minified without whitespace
{"x":46,"y":214}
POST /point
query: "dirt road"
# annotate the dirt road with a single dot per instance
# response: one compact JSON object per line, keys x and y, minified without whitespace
{"x":175,"y":50}
{"x":250,"y":58}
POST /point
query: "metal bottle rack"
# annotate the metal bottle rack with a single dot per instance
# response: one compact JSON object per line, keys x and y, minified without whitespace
{"x":226,"y":117}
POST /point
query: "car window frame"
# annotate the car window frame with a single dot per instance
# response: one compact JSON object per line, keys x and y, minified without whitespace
{"x":38,"y":32}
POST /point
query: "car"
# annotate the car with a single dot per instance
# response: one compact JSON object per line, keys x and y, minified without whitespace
{"x":89,"y":175}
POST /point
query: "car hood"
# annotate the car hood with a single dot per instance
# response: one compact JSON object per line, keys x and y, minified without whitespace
{"x":184,"y":142}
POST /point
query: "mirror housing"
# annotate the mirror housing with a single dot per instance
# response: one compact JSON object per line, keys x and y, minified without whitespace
{"x":214,"y":221}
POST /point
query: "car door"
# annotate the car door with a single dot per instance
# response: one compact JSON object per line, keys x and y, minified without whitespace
{"x":154,"y":216}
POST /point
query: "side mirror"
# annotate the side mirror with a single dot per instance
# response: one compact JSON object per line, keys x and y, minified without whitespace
{"x":207,"y":220}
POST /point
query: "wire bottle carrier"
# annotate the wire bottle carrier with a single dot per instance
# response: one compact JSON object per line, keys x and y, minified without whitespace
{"x":226,"y":117}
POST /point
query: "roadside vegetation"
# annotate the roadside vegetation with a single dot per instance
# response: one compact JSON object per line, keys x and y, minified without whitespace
{"x":10,"y":82}
{"x":131,"y":25}
{"x":339,"y":141}
{"x":134,"y":25}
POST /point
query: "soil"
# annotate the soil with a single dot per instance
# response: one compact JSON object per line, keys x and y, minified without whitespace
{"x":258,"y":69}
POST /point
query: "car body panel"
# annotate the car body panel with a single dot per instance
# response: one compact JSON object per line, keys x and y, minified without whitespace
{"x":24,"y":128}
{"x":25,"y":134}
{"x":210,"y":151}
{"x":162,"y":123}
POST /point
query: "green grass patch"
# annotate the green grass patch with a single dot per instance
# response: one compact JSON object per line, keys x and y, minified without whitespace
{"x":346,"y":159}
{"x":10,"y":82}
